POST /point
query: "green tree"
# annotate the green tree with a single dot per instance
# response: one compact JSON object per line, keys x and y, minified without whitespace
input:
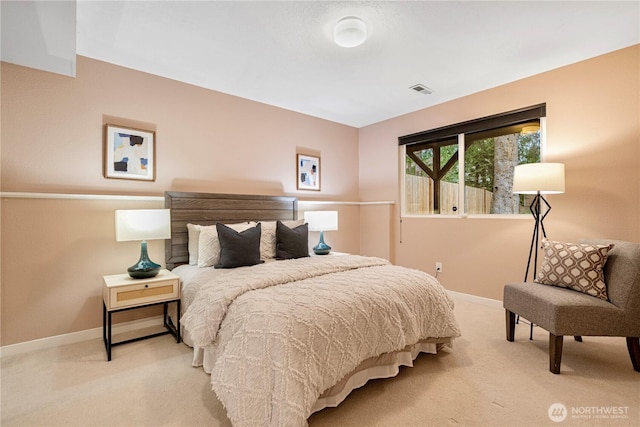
{"x":478,"y":171}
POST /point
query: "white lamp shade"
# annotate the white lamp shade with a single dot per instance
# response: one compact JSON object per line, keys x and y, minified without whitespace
{"x":547,"y":178}
{"x":350,"y":32}
{"x":143,"y":224}
{"x":321,"y":220}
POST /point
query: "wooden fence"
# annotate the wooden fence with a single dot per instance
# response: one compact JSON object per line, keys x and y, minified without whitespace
{"x":419,"y":194}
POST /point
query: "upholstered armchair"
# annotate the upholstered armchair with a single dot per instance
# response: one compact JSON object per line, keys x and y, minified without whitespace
{"x":569,"y":309}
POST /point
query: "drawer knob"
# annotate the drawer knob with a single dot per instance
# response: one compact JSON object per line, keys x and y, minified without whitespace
{"x":146,"y":286}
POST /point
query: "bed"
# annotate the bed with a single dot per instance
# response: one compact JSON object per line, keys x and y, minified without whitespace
{"x":283,"y":338}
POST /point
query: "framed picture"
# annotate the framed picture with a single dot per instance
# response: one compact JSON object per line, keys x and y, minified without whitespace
{"x":129,"y":153}
{"x":308,"y":172}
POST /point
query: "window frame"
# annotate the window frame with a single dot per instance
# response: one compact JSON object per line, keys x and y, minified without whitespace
{"x":510,"y":118}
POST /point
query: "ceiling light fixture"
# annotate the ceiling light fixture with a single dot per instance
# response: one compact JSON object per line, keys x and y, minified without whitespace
{"x":529,"y":129}
{"x":350,"y":32}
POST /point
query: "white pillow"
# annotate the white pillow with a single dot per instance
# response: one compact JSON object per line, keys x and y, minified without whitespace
{"x":209,"y":244}
{"x":268,"y":236}
{"x":194,"y":238}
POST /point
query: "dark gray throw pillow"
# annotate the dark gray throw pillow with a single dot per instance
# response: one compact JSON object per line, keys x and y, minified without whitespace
{"x":292,"y":242}
{"x":238,"y":249}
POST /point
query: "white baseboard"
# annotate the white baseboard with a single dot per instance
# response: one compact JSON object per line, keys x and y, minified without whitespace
{"x":476,"y":299}
{"x":76,"y":337}
{"x":118,"y":328}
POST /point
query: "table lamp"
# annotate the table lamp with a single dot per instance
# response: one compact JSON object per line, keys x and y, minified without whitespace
{"x":321,"y":221}
{"x":143,"y":224}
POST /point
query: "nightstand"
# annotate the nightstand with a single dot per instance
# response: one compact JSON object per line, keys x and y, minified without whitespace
{"x":121,"y":292}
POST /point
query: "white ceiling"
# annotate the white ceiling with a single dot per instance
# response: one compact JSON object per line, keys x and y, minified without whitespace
{"x":282,"y":53}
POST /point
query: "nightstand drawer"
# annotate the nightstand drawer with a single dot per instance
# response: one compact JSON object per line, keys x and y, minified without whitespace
{"x":143,"y":293}
{"x":121,"y":292}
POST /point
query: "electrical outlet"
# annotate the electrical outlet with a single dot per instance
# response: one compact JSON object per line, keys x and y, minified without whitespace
{"x":438,"y":267}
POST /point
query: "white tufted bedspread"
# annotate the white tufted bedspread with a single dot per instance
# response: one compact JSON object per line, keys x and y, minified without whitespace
{"x":285,"y":331}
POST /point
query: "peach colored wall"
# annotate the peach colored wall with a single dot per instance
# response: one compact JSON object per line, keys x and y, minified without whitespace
{"x":376,"y":229}
{"x":206,"y":140}
{"x":55,"y":251}
{"x":593,"y":126}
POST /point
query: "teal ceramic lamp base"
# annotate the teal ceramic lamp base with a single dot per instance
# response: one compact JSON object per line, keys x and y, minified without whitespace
{"x":144,"y":268}
{"x":321,"y":248}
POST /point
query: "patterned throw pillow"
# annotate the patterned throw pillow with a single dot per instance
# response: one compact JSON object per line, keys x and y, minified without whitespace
{"x":575,"y":266}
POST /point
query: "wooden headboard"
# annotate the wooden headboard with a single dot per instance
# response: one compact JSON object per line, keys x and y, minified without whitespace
{"x":208,"y":209}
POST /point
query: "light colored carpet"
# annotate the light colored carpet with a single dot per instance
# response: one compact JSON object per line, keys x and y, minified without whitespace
{"x":483,"y":381}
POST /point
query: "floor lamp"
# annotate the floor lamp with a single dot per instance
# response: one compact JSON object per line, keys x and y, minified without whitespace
{"x":538,"y":179}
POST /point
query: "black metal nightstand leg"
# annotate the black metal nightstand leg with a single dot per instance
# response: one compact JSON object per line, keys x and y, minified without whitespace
{"x":106,"y":330}
{"x":165,"y":315}
{"x":109,"y":336}
{"x":104,"y":324}
{"x":178,"y":337}
{"x":168,"y":323}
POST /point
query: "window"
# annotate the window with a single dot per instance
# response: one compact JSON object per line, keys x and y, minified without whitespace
{"x":483,"y":152}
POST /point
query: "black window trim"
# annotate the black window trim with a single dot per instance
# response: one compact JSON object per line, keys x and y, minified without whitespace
{"x":508,"y":118}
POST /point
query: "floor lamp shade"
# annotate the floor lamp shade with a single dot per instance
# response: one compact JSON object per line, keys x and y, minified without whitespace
{"x":531,"y":178}
{"x":143,"y":224}
{"x":321,"y":221}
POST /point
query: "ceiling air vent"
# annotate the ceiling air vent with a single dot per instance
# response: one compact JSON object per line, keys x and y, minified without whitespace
{"x":422,"y":89}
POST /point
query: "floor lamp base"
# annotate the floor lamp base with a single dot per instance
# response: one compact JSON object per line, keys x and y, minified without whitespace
{"x":535,"y":209}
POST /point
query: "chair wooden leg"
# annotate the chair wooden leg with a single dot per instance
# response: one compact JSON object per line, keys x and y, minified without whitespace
{"x":555,"y":353}
{"x":578,"y":338}
{"x":510,"y":321}
{"x":633,"y":344}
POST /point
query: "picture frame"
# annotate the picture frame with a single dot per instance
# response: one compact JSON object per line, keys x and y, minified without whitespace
{"x":129,"y":153}
{"x":308,"y":172}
